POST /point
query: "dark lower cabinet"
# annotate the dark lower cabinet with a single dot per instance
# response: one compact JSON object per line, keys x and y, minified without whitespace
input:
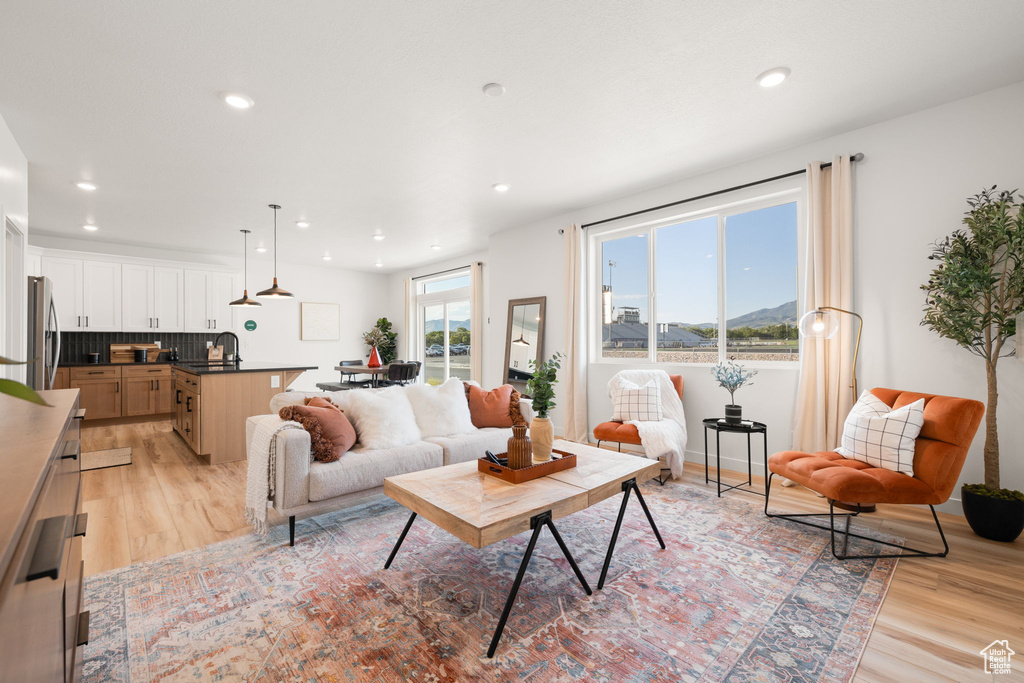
{"x":42,"y":534}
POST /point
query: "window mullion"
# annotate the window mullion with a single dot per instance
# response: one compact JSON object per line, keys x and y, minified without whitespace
{"x":652,"y":301}
{"x":722,"y":332}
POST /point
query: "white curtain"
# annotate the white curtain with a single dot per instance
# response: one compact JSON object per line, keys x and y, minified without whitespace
{"x":476,"y":330}
{"x":574,"y":427}
{"x":824,"y":396}
{"x":410,"y":322}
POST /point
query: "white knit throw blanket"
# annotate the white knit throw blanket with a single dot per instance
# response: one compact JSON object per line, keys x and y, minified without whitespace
{"x":667,"y":437}
{"x":262,"y":477}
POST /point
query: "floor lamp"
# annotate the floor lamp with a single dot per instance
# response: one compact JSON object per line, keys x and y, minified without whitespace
{"x":823,"y":323}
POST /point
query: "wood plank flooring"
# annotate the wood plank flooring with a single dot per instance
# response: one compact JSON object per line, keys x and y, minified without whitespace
{"x":937,"y":615}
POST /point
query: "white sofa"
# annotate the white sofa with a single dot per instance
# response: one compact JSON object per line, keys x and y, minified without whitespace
{"x":305,"y":486}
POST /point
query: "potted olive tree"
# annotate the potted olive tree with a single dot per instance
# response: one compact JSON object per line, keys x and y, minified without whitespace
{"x":973,"y":297}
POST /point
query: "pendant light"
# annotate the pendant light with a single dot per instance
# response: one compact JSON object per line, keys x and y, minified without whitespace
{"x":522,"y":328}
{"x":245,"y":300}
{"x":275,"y":292}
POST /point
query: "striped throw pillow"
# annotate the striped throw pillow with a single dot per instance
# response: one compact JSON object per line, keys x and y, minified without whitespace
{"x":638,"y":403}
{"x":880,"y":436}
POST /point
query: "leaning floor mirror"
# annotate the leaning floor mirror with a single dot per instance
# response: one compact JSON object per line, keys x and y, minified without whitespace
{"x":524,"y":339}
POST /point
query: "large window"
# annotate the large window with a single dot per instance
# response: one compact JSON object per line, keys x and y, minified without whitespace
{"x":716,"y":284}
{"x":444,"y":320}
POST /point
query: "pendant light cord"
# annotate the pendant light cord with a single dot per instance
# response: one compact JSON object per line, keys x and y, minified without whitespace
{"x":275,"y":244}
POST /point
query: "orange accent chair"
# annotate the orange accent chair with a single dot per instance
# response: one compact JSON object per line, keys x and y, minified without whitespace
{"x":620,"y":432}
{"x":949,"y":427}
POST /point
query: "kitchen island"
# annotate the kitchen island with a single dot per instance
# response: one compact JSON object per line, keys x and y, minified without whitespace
{"x":212,"y":401}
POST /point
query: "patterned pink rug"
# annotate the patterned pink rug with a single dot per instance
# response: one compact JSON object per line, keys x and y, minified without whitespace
{"x":735,"y":597}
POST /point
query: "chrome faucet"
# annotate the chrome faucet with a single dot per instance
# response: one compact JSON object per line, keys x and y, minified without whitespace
{"x":238,"y":345}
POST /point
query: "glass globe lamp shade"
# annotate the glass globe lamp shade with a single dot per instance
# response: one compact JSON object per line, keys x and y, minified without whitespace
{"x":819,"y":324}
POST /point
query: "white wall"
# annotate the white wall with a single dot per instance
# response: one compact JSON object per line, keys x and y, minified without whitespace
{"x":909,"y":191}
{"x":13,"y":207}
{"x":362,"y":297}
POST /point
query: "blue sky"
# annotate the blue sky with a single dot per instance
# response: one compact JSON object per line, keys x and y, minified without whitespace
{"x":761,"y":265}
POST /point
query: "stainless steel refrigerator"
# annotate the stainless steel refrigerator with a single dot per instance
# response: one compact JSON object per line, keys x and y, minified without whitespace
{"x":43,"y":334}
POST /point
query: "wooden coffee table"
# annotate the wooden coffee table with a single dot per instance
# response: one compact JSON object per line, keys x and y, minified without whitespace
{"x":481,"y":509}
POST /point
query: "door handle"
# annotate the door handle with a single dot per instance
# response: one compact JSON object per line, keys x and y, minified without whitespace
{"x":79,"y":321}
{"x":87,"y":321}
{"x":81,"y":522}
{"x":188,"y":403}
{"x":71,"y":450}
{"x":82,"y":634}
{"x":177,"y":396}
{"x":150,"y":323}
{"x":117,"y":388}
{"x":214,"y":323}
{"x":49,"y":551}
{"x":158,"y":323}
{"x":158,"y":385}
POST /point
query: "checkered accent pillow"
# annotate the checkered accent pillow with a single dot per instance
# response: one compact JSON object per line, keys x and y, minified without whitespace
{"x":638,"y":403}
{"x":880,"y":436}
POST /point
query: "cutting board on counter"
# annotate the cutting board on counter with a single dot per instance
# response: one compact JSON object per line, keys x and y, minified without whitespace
{"x":125,"y":353}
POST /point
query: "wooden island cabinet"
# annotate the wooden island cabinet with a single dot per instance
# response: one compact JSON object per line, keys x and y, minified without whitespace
{"x":212,"y":401}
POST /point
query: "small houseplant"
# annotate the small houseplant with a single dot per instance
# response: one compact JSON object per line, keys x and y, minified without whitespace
{"x":541,"y":388}
{"x":383,"y":340}
{"x":731,"y":377}
{"x":973,"y":297}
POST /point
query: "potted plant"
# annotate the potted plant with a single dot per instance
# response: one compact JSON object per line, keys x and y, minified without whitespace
{"x":541,"y":388}
{"x":731,"y":377}
{"x":973,"y":297}
{"x":382,"y":342}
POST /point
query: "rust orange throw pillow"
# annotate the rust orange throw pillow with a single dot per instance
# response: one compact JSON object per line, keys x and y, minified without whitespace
{"x":330,"y":432}
{"x":495,"y":408}
{"x":320,"y":402}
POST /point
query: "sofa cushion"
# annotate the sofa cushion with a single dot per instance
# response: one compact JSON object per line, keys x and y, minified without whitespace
{"x":298,"y":398}
{"x":363,"y":468}
{"x":321,"y":402}
{"x":466,"y":447}
{"x":442,"y":410}
{"x":383,"y":419}
{"x":330,"y":432}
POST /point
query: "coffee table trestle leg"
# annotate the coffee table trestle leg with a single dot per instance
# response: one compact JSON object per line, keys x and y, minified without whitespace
{"x":537,"y":523}
{"x":394,"y":551}
{"x":627,"y":486}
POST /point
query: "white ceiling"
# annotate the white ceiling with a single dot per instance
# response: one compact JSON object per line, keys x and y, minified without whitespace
{"x":370,"y":116}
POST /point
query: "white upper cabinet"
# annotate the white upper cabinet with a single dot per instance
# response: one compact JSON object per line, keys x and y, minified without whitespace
{"x":169,"y":299}
{"x":137,"y":298}
{"x":152,"y":298}
{"x":207,"y":295}
{"x":101,"y":296}
{"x":66,"y":276}
{"x":222,"y":293}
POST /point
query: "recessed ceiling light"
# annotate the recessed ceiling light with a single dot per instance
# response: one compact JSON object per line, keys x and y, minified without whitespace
{"x":500,"y":187}
{"x":261,"y":250}
{"x":435,"y":247}
{"x":327,"y":257}
{"x":772,"y":77}
{"x":494,"y":90}
{"x":238,"y":100}
{"x":90,"y":228}
{"x":379,"y":264}
{"x":302,"y":224}
{"x":378,"y":237}
{"x":87,"y":186}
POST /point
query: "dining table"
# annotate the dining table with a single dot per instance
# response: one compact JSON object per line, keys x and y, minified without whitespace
{"x":374,"y":373}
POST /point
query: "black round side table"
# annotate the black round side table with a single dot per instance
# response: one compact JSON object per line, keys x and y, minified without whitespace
{"x":747,"y":427}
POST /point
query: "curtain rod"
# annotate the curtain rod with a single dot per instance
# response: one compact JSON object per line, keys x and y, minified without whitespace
{"x":859,"y":156}
{"x":450,"y":270}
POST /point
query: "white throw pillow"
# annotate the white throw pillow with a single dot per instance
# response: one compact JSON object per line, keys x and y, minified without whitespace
{"x":880,"y":436}
{"x":383,"y":419}
{"x":638,"y":403}
{"x":441,"y":411}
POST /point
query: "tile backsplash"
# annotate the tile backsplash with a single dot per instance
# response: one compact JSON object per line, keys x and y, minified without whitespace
{"x":74,"y":345}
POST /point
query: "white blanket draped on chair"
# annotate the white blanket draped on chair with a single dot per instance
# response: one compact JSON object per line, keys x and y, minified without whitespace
{"x":667,"y":437}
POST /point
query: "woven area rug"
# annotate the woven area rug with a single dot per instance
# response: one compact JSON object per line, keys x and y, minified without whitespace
{"x":111,"y":457}
{"x":735,"y":597}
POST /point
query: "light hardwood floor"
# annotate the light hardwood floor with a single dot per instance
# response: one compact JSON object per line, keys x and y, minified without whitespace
{"x":937,"y":614}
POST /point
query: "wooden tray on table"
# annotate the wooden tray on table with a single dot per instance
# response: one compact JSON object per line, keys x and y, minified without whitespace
{"x":564,"y":461}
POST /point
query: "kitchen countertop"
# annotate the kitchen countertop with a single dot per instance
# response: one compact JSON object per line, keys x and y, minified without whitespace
{"x":202,"y":368}
{"x":155,"y":362}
